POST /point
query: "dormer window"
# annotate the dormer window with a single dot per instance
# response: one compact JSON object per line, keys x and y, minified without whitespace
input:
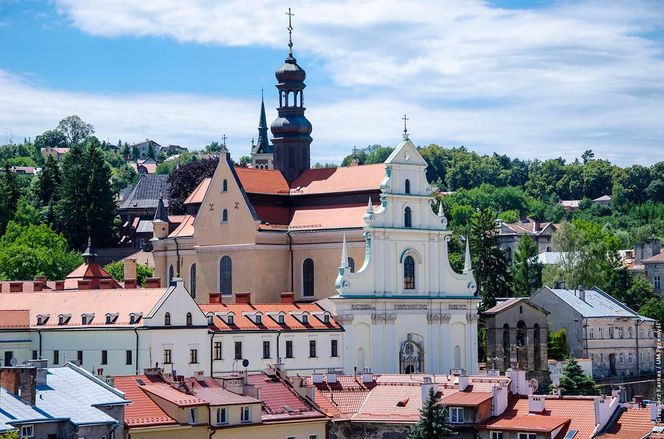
{"x":134,"y":318}
{"x":210,"y":318}
{"x":259,"y":319}
{"x":63,"y":319}
{"x":305,"y":318}
{"x":111,"y":318}
{"x":281,"y":319}
{"x":326,"y":318}
{"x":42,"y":319}
{"x":230,"y":319}
{"x":86,"y":319}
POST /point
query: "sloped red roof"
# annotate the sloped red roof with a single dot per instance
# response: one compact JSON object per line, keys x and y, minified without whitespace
{"x":391,"y":404}
{"x":632,"y":423}
{"x":196,"y":196}
{"x":656,"y":258}
{"x":279,"y":401}
{"x":93,"y":272}
{"x":14,"y":318}
{"x":165,"y":391}
{"x":329,"y":217}
{"x":339,"y":180}
{"x":466,"y":399}
{"x":262,"y":181}
{"x":186,"y":227}
{"x":142,"y":411}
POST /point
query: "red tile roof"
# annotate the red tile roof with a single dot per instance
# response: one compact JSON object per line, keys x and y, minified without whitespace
{"x":280,"y":403}
{"x":142,"y":411}
{"x":656,"y":258}
{"x":93,"y":272}
{"x":262,"y":181}
{"x":466,"y":399}
{"x":329,"y":217}
{"x":632,"y":423}
{"x":212,"y":392}
{"x":14,"y":318}
{"x":269,"y":313}
{"x":339,"y":180}
{"x":186,"y":227}
{"x":391,"y":404}
{"x":196,"y":196}
{"x":170,"y":394}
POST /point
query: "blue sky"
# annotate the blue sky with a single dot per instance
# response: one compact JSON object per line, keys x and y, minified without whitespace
{"x":530,"y":79}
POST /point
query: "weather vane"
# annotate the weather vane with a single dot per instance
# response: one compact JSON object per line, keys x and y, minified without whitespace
{"x":290,"y":32}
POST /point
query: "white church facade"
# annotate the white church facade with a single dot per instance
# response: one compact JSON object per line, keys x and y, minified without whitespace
{"x":406,"y":310}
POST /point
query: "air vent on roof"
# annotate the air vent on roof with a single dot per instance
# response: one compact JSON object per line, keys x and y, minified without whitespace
{"x":140,"y":382}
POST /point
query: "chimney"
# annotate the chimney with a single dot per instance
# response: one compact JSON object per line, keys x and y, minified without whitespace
{"x":129,"y":268}
{"x":20,"y":382}
{"x":654,"y":411}
{"x":106,"y":284}
{"x":536,"y":403}
{"x":243,"y":298}
{"x":130,"y":284}
{"x":519,"y":382}
{"x":331,"y":377}
{"x":153,"y":282}
{"x":500,"y":399}
{"x":37,"y":286}
{"x":427,"y":386}
{"x":463,"y":382}
{"x":582,"y":293}
{"x":15,"y":287}
{"x":84,"y":284}
{"x":559,"y":285}
{"x":538,"y":225}
{"x":604,"y":410}
{"x":287,"y":298}
{"x":59,"y":285}
{"x":41,"y":366}
{"x":214,"y":298}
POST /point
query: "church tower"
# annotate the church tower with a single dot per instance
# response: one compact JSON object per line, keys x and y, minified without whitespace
{"x":262,"y":156}
{"x":291,"y":130}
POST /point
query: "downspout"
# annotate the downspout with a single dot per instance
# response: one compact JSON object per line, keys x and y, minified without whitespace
{"x":40,"y":343}
{"x":638,"y":359}
{"x":136,"y":332}
{"x":212,"y":354}
{"x":292,"y":269}
{"x":278,"y":357}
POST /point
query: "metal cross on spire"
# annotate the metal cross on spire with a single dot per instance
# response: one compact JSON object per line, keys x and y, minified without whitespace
{"x":290,"y":32}
{"x":405,"y":127}
{"x":223,"y":139}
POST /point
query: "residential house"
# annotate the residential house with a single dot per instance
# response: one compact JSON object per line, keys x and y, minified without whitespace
{"x":573,"y":205}
{"x":25,"y":170}
{"x":509,"y":235}
{"x":144,"y":148}
{"x":516,"y":336}
{"x":59,"y":402}
{"x":56,"y":153}
{"x":618,"y":340}
{"x":301,"y":337}
{"x":145,"y":166}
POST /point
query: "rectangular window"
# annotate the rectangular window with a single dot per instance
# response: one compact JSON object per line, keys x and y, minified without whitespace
{"x":128,"y":356}
{"x":79,"y":357}
{"x":56,"y":357}
{"x":312,"y":348}
{"x":289,"y":348}
{"x":527,"y":436}
{"x":334,"y":348}
{"x":238,"y":350}
{"x":34,"y":355}
{"x":658,"y":283}
{"x":266,"y":349}
{"x":193,"y":356}
{"x":245,"y":413}
{"x":217,"y":350}
{"x":496,"y":435}
{"x":27,"y":431}
{"x":456,"y":415}
{"x":221,"y":416}
{"x":104,"y":357}
{"x":168,"y":356}
{"x":601,"y":332}
{"x":611,"y":332}
{"x":630,"y":358}
{"x":601,"y":358}
{"x":591,"y":334}
{"x":313,"y":436}
{"x":192,"y":416}
{"x":621,"y":358}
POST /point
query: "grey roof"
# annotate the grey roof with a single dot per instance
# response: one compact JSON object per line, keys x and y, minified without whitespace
{"x":597,"y":303}
{"x":14,"y":411}
{"x":144,"y":226}
{"x":71,"y":392}
{"x":147,"y":192}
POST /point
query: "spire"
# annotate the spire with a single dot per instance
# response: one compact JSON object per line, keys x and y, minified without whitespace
{"x":263,"y":145}
{"x":405,"y":127}
{"x":290,"y":32}
{"x":161,"y":214}
{"x":344,"y":254}
{"x":89,"y":254}
{"x":370,"y":206}
{"x":467,"y":267}
{"x":441,"y":214}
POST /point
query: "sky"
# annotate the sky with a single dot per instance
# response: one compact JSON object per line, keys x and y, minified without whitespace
{"x":530,"y":79}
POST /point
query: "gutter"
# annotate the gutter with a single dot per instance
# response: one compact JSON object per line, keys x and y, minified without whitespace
{"x":212,"y":354}
{"x":40,"y":342}
{"x":292,"y":269}
{"x":136,"y":332}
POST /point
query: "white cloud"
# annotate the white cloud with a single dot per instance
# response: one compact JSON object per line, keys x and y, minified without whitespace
{"x":530,"y":83}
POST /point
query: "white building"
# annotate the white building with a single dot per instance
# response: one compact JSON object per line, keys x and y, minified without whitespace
{"x":301,"y":337}
{"x":405,"y":310}
{"x":109,"y":331}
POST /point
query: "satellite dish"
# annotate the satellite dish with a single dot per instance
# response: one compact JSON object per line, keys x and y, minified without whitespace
{"x":534,"y":384}
{"x":245,"y":363}
{"x":13,"y":362}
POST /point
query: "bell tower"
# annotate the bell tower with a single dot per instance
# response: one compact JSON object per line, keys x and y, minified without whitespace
{"x":291,"y":130}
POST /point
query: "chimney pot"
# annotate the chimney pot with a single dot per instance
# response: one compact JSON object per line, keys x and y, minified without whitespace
{"x":214,"y":298}
{"x":37,"y":286}
{"x":59,"y":285}
{"x":153,"y":282}
{"x":84,"y":284}
{"x":287,"y":298}
{"x":106,"y":284}
{"x":129,"y":268}
{"x":15,"y":287}
{"x":243,"y":298}
{"x":130,"y":284}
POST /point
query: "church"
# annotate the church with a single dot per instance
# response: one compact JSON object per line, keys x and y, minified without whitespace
{"x":279,"y":226}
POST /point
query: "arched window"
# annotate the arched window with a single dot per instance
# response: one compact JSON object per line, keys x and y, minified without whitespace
{"x":226,"y":276}
{"x":351,"y":265}
{"x":537,"y":356}
{"x":521,"y":345}
{"x":308,"y":278}
{"x":170,"y":275}
{"x":224,"y":216}
{"x":457,"y":357}
{"x":506,"y":346}
{"x":281,"y":318}
{"x":167,"y":319}
{"x":224,"y":185}
{"x":409,"y":273}
{"x":407,"y":186}
{"x":407,"y":217}
{"x":192,"y":280}
{"x":189,"y":321}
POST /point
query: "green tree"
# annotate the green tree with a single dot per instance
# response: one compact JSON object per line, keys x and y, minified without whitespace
{"x":26,"y":213}
{"x":489,"y":263}
{"x":10,"y":192}
{"x":574,"y":381}
{"x":51,"y":138}
{"x":653,"y":308}
{"x":116,"y":270}
{"x":48,"y":182}
{"x":587,"y":155}
{"x":35,"y":250}
{"x":558,"y":349}
{"x":11,"y":434}
{"x":75,"y":130}
{"x":527,"y":272}
{"x":151,"y":154}
{"x":124,"y":176}
{"x":433,"y":420}
{"x":125,"y":150}
{"x":71,"y":209}
{"x":135,"y":153}
{"x":99,"y":197}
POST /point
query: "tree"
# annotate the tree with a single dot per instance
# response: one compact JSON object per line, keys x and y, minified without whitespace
{"x":124,"y":176}
{"x":587,"y":155}
{"x":75,"y":130}
{"x":489,"y":263}
{"x":11,"y":434}
{"x":100,"y":198}
{"x":151,"y":154}
{"x":574,"y":381}
{"x":125,"y":150}
{"x":653,"y":308}
{"x":135,"y":153}
{"x":10,"y":192}
{"x":26,"y":213}
{"x":35,"y":250}
{"x":186,"y":178}
{"x":558,"y":349}
{"x":433,"y":420}
{"x":52,"y":139}
{"x":71,"y":209}
{"x":48,"y":182}
{"x":527,"y":272}
{"x":116,"y":270}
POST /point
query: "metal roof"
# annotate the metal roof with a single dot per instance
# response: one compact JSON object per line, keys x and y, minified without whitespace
{"x":596,"y":303}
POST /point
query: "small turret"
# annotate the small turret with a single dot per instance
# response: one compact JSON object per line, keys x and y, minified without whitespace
{"x":160,"y":221}
{"x":89,"y":255}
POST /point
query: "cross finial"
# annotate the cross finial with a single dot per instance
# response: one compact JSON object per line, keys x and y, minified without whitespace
{"x":262,"y":93}
{"x":223,"y":139}
{"x":405,"y":127}
{"x":354,"y":151}
{"x":290,"y":32}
